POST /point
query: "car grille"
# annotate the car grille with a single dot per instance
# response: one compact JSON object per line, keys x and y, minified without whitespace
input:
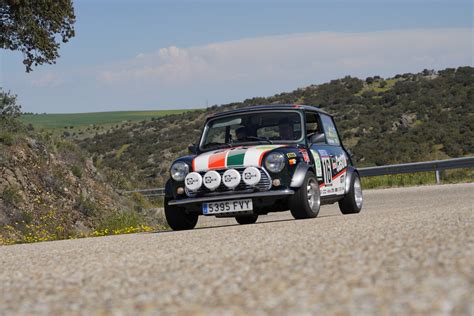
{"x":264,"y":184}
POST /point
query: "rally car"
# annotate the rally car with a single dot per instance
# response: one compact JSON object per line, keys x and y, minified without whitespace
{"x":262,"y":159}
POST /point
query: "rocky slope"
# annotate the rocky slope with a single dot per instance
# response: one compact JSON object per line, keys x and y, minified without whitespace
{"x":50,"y":190}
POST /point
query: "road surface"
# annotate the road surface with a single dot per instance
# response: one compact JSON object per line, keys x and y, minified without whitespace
{"x":410,"y":251}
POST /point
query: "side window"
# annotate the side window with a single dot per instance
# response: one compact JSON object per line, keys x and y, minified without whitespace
{"x":312,"y":124}
{"x":330,"y":130}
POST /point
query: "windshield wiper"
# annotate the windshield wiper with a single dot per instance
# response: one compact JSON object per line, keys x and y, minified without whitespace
{"x":260,"y":138}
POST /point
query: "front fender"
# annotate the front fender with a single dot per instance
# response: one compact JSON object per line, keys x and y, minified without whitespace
{"x":299,"y":175}
{"x":169,"y":189}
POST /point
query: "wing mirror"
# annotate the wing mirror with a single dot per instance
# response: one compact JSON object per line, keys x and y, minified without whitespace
{"x":192,"y":149}
{"x":318,"y":138}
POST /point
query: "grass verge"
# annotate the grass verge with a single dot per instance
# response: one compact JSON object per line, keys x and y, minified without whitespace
{"x":144,"y":216}
{"x":419,"y":178}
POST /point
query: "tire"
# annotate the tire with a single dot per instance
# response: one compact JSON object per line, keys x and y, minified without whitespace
{"x":353,"y":200}
{"x":177,"y":217}
{"x":306,"y":201}
{"x":246,"y":219}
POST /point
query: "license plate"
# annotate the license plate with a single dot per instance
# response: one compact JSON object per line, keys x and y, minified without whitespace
{"x":223,"y":207}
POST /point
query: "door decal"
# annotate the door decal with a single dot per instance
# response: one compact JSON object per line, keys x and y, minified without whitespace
{"x":317,"y":162}
{"x":334,"y":173}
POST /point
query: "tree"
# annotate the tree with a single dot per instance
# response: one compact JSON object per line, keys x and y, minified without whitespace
{"x":9,"y":111}
{"x":35,"y":28}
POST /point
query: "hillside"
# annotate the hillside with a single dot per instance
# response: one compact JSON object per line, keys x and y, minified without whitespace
{"x":410,"y":117}
{"x":50,"y":189}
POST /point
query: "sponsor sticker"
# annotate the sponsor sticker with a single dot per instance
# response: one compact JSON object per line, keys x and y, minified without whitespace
{"x":323,"y":153}
{"x":304,"y":152}
{"x":340,"y":162}
{"x":291,"y":155}
{"x":317,"y":161}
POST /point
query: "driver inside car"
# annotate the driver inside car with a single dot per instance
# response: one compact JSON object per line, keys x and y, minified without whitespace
{"x":241,"y":134}
{"x":286,"y":130}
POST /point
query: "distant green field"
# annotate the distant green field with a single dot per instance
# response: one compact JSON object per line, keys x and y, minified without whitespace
{"x":55,"y":121}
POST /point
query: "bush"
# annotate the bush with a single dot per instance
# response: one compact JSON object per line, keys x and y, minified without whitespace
{"x":11,"y":195}
{"x":7,"y":138}
{"x":116,"y":179}
{"x":9,"y":112}
{"x":140,"y":202}
{"x":120,"y":221}
{"x":76,"y":171}
{"x":86,"y":206}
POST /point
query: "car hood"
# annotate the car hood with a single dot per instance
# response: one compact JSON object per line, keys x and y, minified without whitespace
{"x":236,"y":157}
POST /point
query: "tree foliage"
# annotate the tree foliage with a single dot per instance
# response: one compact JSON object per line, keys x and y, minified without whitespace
{"x":36,"y":28}
{"x":9,"y":111}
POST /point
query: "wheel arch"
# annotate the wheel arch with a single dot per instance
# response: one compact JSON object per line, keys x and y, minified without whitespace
{"x":349,"y":174}
{"x":169,"y":189}
{"x":299,"y":174}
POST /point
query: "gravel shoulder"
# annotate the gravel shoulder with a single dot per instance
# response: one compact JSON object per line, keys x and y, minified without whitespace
{"x":410,"y":251}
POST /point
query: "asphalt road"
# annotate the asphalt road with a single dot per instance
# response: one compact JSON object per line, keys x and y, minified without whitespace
{"x":410,"y":251}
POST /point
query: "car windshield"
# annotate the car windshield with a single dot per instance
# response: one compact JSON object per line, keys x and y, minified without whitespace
{"x":254,"y":127}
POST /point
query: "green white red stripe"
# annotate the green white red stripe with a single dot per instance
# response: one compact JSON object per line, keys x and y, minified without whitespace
{"x":232,"y":158}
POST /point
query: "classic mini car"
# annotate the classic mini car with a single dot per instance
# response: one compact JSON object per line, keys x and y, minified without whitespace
{"x":262,"y":159}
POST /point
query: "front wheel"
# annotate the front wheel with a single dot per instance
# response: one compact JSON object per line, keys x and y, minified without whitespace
{"x":246,"y":219}
{"x":306,"y":201}
{"x":177,"y":217}
{"x":352,"y":201}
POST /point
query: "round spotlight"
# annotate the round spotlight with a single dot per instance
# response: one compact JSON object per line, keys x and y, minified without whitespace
{"x":193,"y":181}
{"x":251,"y":176}
{"x":212,"y":180}
{"x":231,"y":178}
{"x":276,"y":182}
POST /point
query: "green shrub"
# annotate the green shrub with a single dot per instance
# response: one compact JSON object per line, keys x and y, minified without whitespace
{"x":120,"y":221}
{"x":86,"y":206}
{"x":117,"y":180}
{"x":140,"y":202}
{"x":159,"y":202}
{"x":11,"y":195}
{"x":76,"y":171}
{"x":9,"y":112}
{"x":7,"y":138}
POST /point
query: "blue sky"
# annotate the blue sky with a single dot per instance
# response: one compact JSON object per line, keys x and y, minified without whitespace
{"x":137,"y":55}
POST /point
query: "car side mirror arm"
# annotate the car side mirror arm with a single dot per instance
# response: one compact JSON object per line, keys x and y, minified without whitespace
{"x":192,"y":149}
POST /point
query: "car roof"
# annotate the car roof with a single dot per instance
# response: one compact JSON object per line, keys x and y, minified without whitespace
{"x":254,"y":108}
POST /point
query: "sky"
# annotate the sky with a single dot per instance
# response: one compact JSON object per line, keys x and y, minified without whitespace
{"x":151,"y":55}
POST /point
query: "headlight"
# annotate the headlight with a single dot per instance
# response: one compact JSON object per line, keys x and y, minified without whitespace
{"x":275,"y":162}
{"x":179,"y":170}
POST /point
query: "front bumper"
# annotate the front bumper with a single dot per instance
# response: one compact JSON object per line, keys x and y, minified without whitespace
{"x":276,"y":193}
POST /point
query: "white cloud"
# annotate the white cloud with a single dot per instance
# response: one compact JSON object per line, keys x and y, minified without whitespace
{"x":294,"y":58}
{"x":191,"y":77}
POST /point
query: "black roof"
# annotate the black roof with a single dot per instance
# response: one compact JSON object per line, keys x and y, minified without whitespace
{"x":271,"y":107}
